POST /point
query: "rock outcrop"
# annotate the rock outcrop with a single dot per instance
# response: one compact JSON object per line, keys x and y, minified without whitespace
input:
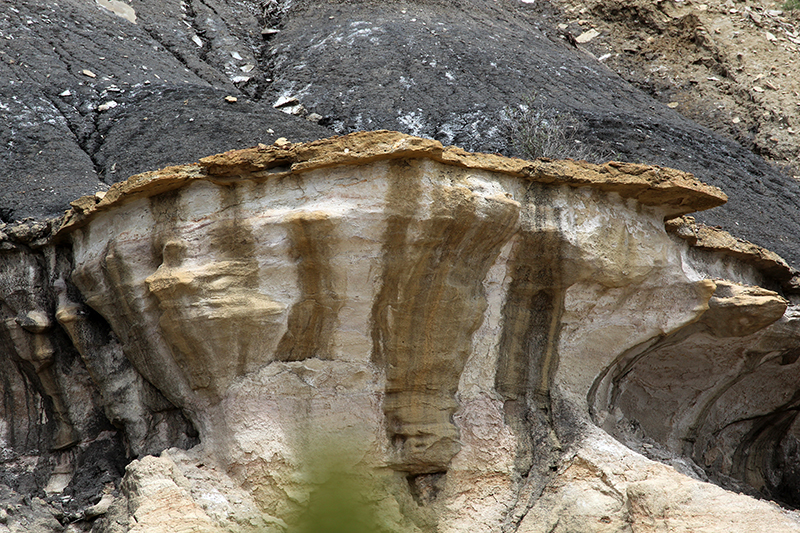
{"x":453,"y":341}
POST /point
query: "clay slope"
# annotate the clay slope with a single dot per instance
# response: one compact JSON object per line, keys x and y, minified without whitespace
{"x":94,"y":97}
{"x":731,"y":66}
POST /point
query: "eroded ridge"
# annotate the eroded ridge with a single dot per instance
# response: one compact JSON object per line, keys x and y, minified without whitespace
{"x":461,"y":334}
{"x":677,"y":192}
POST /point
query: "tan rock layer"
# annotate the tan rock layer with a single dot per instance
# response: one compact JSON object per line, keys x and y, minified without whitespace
{"x":675,"y":191}
{"x":718,"y":240}
{"x":430,"y":304}
{"x":439,"y":319}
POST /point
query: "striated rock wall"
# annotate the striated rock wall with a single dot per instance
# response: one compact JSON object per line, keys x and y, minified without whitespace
{"x":451,"y":339}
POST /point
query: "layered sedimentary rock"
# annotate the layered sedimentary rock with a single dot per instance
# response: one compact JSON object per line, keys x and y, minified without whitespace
{"x":455,"y":339}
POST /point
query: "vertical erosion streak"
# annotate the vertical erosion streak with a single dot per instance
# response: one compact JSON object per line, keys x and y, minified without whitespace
{"x":314,"y":317}
{"x":531,"y":324}
{"x":757,"y":460}
{"x":23,"y":396}
{"x":233,"y":247}
{"x":431,"y":302}
{"x":214,"y":318}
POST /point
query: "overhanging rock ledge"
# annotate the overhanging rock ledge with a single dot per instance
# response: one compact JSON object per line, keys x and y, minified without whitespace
{"x":480,"y":343}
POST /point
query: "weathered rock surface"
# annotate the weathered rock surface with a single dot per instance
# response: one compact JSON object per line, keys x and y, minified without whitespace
{"x":460,"y":342}
{"x":454,"y":340}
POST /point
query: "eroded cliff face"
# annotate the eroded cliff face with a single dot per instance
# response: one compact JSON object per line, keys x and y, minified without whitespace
{"x":453,"y":338}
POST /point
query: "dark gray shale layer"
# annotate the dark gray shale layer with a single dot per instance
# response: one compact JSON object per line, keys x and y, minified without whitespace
{"x":88,"y":98}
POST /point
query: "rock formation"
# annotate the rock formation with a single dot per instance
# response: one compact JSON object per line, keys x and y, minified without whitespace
{"x":454,"y":341}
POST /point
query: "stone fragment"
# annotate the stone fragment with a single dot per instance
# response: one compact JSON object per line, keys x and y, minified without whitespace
{"x":159,"y":501}
{"x":587,"y":36}
{"x":285,"y":101}
{"x":737,"y":310}
{"x":717,"y":240}
{"x":100,"y":508}
{"x":119,"y":8}
{"x":703,"y":507}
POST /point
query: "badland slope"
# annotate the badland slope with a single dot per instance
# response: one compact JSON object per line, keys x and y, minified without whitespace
{"x":513,"y":346}
{"x":96,"y":92}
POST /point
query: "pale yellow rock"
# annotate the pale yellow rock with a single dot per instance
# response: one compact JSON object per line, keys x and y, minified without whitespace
{"x":669,"y":504}
{"x":157,"y":503}
{"x":714,"y":239}
{"x":587,"y":36}
{"x":607,"y":488}
{"x":736,"y":310}
{"x":447,"y":327}
{"x":677,"y":192}
{"x":119,"y":8}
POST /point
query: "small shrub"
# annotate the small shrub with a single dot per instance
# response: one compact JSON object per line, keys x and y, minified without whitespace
{"x":536,"y":131}
{"x":791,"y":5}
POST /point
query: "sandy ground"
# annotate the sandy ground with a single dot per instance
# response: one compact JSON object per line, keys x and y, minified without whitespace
{"x":733,"y":66}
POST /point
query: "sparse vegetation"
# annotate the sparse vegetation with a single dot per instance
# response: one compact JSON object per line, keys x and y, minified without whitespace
{"x":345,"y":495}
{"x":791,"y":5}
{"x":339,"y":505}
{"x":537,"y":130}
